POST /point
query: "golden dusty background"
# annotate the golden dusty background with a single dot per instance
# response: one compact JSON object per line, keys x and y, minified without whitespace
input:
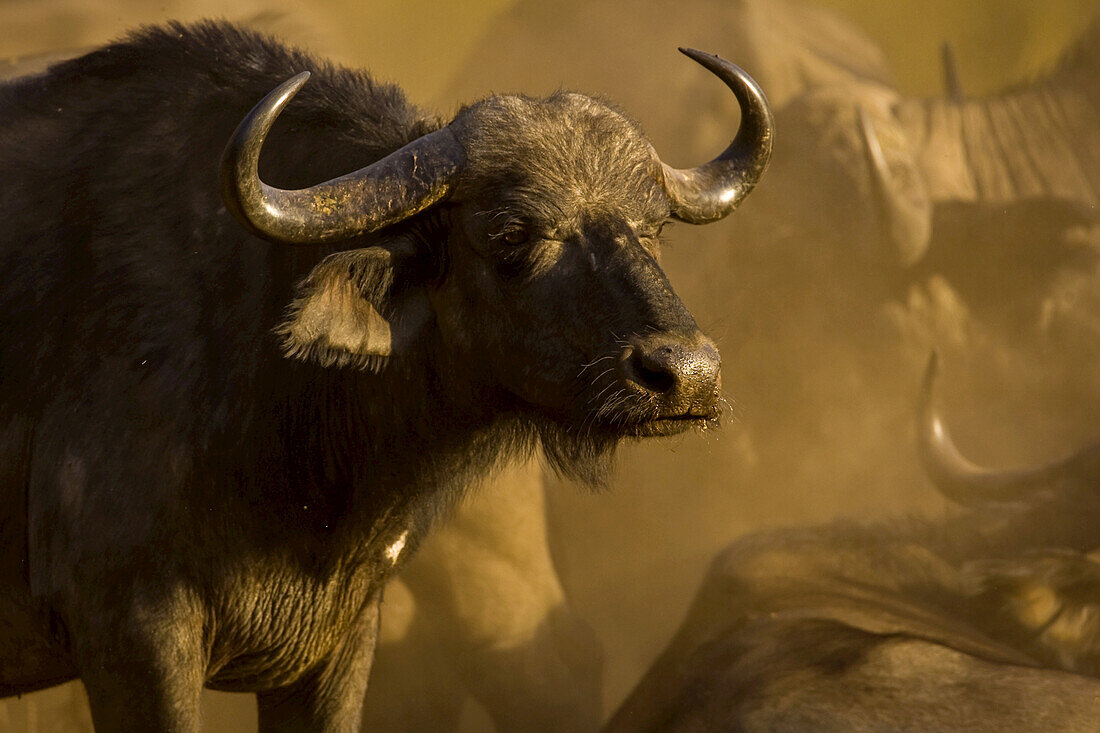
{"x":420,"y":44}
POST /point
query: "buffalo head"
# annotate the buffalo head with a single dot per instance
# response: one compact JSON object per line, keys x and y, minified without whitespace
{"x":537,"y":222}
{"x":849,"y":141}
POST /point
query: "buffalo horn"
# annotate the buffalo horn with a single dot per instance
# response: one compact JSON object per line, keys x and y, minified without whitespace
{"x":711,"y":191}
{"x":961,"y":480}
{"x":898,"y":222}
{"x":952,"y":87}
{"x":385,"y":192}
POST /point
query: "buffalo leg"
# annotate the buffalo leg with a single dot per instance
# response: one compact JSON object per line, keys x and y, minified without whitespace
{"x":144,"y":677}
{"x":329,"y":699}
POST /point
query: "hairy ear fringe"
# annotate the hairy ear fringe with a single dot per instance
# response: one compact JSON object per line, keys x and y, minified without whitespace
{"x":328,"y":356}
{"x":341,"y":316}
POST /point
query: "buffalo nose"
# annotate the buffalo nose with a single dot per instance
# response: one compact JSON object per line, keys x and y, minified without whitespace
{"x":681,"y":369}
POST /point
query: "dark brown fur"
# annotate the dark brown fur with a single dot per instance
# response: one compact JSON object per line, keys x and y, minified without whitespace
{"x":186,"y":505}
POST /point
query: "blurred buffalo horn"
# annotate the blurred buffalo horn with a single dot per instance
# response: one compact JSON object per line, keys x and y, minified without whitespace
{"x":905,"y":229}
{"x":385,"y":192}
{"x":711,"y":191}
{"x":964,"y":482}
{"x":952,"y":87}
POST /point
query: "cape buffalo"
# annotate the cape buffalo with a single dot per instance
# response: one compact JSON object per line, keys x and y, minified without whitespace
{"x":984,"y":621}
{"x":214,"y":449}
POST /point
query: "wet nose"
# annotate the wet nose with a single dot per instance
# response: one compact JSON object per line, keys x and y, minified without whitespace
{"x":683,"y":370}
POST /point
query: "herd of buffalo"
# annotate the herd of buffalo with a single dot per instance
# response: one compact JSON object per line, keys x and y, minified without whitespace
{"x":295,"y":378}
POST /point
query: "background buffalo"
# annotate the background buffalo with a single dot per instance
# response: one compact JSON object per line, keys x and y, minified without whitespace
{"x":971,"y":620}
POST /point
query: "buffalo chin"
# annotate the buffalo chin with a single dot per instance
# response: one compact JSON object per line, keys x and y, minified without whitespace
{"x":584,"y":450}
{"x":666,"y":426}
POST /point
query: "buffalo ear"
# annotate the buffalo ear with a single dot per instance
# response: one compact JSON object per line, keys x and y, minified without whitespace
{"x":356,"y":308}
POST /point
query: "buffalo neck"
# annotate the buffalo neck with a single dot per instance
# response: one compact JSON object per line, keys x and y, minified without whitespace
{"x":344,"y":458}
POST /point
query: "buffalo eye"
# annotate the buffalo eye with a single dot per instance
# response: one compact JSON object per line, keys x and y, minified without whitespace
{"x":515,"y":236}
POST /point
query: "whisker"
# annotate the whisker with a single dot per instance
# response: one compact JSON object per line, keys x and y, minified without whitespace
{"x":597,"y":360}
{"x":610,"y":384}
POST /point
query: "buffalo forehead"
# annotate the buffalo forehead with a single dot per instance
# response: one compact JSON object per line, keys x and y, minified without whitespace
{"x":563,"y":156}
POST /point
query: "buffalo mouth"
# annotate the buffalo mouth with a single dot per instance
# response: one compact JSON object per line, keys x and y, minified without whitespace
{"x":666,"y":425}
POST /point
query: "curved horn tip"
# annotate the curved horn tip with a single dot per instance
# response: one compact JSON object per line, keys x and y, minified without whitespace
{"x":286,"y":91}
{"x":926,"y":413}
{"x":870,"y":137}
{"x":932,"y":369}
{"x":951,"y":84}
{"x":713,"y":62}
{"x":271,"y":106}
{"x":693,"y":53}
{"x":258,"y":122}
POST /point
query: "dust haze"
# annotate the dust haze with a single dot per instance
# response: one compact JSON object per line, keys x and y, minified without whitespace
{"x":824,"y":315}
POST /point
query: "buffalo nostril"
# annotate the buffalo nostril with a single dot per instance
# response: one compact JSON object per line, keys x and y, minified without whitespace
{"x":655,"y":371}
